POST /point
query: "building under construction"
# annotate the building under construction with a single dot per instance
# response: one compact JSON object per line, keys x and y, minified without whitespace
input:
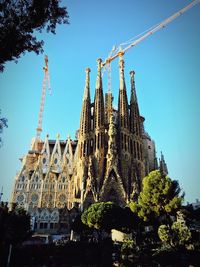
{"x":107,"y":161}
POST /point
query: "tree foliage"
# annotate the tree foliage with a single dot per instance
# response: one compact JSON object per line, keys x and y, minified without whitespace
{"x":100,"y":215}
{"x":14,"y":225}
{"x":177,"y":235}
{"x":3,"y":124}
{"x":159,"y":196}
{"x":21,"y":19}
{"x":107,"y":216}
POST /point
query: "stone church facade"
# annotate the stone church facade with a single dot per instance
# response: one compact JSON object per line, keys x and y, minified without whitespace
{"x":107,"y":161}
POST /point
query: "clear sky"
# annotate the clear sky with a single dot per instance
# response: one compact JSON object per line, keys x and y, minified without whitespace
{"x":167,"y":67}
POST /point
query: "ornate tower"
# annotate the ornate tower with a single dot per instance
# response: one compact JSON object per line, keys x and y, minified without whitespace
{"x":136,"y":124}
{"x":99,"y":127}
{"x":163,"y":165}
{"x":84,"y":144}
{"x":85,"y":124}
{"x":123,"y":130}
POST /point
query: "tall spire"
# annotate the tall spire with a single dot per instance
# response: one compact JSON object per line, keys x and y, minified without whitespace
{"x":133,"y":92}
{"x":87,"y":85}
{"x":135,"y":119}
{"x":99,"y":80}
{"x":108,"y":106}
{"x":123,"y":101}
{"x":86,"y":108}
{"x":99,"y":100}
{"x":163,"y":165}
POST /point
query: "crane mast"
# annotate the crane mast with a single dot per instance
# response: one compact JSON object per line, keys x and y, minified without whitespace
{"x":121,"y":52}
{"x":46,"y":82}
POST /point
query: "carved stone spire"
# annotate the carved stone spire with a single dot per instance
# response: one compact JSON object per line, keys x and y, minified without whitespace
{"x":112,"y":147}
{"x":121,"y":73}
{"x":108,"y":106}
{"x":163,"y":165}
{"x":99,"y":80}
{"x":123,"y":101}
{"x":135,"y":120}
{"x":98,"y":100}
{"x":86,"y":108}
{"x":133,"y":91}
{"x":87,"y":85}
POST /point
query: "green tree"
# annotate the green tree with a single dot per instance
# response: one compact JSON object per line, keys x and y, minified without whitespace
{"x":159,"y":197}
{"x":19,"y":22}
{"x":101,"y":216}
{"x":178,"y":235}
{"x":14,"y":227}
{"x":107,"y":216}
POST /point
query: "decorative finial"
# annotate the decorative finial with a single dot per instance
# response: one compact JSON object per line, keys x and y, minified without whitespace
{"x":133,"y":92}
{"x":58,"y":136}
{"x":121,"y":72}
{"x":68,"y":137}
{"x":87,"y":84}
{"x":87,"y":70}
{"x":47,"y":135}
{"x":132,"y":73}
{"x":99,"y":61}
{"x":121,"y":64}
{"x":99,"y":66}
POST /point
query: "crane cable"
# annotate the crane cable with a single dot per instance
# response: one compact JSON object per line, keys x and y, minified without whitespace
{"x":147,"y":33}
{"x":118,"y":51}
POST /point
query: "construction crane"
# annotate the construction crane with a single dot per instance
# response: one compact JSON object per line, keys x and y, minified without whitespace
{"x":119,"y":52}
{"x":46,"y":82}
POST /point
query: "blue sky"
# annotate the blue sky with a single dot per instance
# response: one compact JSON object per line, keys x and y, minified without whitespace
{"x":167,"y":67}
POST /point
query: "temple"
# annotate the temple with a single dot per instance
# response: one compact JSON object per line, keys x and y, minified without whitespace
{"x":107,"y":161}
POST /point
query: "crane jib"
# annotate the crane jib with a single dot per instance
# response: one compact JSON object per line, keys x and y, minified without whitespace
{"x":152,"y":31}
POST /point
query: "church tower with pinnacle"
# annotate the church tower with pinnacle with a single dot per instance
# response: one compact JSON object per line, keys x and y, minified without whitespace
{"x":107,"y":161}
{"x":111,"y":150}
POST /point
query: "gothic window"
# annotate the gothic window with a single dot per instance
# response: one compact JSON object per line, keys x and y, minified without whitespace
{"x":128,"y":143}
{"x":20,"y":198}
{"x":84,"y":148}
{"x":138,"y":151}
{"x":131,"y":146}
{"x":91,"y":146}
{"x":122,"y":137}
{"x":62,"y":198}
{"x":44,"y":160}
{"x":81,"y":147}
{"x":98,"y":141}
{"x":134,"y":149}
{"x":92,"y":124}
{"x":55,"y":160}
{"x":34,"y":198}
{"x":102,"y":141}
